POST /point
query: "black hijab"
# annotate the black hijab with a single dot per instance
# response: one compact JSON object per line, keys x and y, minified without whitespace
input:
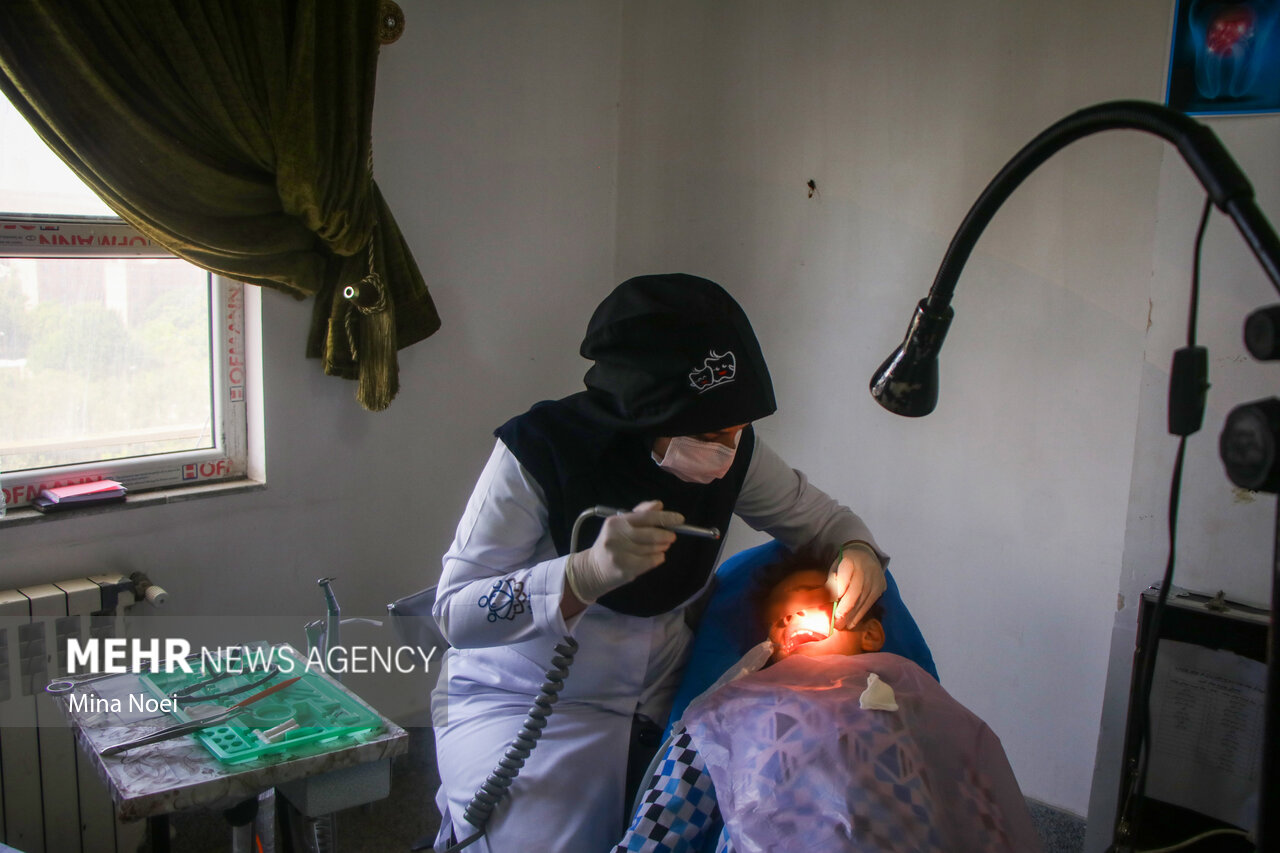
{"x":673,"y":355}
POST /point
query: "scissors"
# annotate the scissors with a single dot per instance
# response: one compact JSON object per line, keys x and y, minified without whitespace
{"x":68,"y":683}
{"x":65,"y":685}
{"x":202,"y":723}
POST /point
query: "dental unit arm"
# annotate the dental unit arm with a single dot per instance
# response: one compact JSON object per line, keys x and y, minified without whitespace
{"x":498,"y":784}
{"x":323,"y":634}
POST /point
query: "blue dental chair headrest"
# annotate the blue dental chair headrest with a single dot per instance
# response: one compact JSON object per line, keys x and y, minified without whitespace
{"x":723,"y":636}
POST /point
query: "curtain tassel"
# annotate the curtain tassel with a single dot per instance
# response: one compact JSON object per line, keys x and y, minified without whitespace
{"x":371,"y":333}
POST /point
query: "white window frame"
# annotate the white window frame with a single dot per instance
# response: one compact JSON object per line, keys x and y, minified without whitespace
{"x":41,"y":236}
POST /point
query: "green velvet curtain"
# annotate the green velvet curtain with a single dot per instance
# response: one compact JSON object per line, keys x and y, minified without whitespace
{"x":237,"y":134}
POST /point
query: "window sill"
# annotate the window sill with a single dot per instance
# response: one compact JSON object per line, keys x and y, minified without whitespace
{"x":20,"y":516}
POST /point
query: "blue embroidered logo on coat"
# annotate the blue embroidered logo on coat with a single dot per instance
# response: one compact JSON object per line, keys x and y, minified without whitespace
{"x":505,"y":601}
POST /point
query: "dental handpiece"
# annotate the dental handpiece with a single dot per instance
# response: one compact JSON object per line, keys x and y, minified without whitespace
{"x":684,"y":529}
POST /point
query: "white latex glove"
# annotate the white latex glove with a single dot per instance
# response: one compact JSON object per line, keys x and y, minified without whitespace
{"x":628,"y":545}
{"x":856,"y":580}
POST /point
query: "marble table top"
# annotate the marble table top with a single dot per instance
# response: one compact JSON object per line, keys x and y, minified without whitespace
{"x":178,"y":774}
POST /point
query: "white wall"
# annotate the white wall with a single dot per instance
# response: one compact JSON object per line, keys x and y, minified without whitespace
{"x":537,"y":153}
{"x":1018,"y":510}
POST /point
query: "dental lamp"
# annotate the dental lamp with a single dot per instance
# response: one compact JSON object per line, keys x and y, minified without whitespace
{"x":907,"y":382}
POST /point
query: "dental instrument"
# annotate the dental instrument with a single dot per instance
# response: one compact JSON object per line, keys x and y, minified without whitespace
{"x":322,"y":634}
{"x":187,"y":698}
{"x":683,"y":529}
{"x":333,"y":618}
{"x":202,"y":723}
{"x":323,"y":637}
{"x":200,"y":685}
{"x":66,"y":685}
{"x":70,"y":682}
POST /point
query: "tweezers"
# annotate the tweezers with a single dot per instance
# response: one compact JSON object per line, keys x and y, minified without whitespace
{"x":175,"y":731}
{"x":196,"y":725}
{"x":186,"y":698}
{"x":200,"y":685}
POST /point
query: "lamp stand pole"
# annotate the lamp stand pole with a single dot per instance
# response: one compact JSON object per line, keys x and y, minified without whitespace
{"x":1269,"y":801}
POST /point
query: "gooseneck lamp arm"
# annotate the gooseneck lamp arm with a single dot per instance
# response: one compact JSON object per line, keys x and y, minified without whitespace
{"x":907,"y":382}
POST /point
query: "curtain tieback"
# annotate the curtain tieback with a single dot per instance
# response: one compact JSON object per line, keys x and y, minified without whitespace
{"x":369,"y":296}
{"x":371,"y":333}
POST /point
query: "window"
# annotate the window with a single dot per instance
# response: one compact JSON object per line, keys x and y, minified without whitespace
{"x":116,"y":359}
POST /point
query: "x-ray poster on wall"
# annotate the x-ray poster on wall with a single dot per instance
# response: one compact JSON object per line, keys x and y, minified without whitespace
{"x":1225,"y":57}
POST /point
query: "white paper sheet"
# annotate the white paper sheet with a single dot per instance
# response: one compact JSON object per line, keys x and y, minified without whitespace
{"x":1207,"y":723}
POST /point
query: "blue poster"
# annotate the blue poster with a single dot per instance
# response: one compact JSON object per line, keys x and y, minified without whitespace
{"x":1225,"y":57}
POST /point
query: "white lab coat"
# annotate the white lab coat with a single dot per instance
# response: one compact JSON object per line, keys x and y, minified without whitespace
{"x":498,"y":604}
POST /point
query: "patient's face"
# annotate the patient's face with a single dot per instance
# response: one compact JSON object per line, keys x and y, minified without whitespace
{"x":799,"y":615}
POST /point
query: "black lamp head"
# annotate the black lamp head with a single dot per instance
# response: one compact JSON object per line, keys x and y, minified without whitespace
{"x":907,"y":383}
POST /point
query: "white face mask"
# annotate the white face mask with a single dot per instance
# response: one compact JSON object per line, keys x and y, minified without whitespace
{"x":697,"y":461}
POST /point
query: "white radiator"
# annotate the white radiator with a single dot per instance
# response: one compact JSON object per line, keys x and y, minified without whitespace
{"x":53,"y":800}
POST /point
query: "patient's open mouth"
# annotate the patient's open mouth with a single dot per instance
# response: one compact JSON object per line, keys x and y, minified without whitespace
{"x":807,"y":626}
{"x":801,"y":637}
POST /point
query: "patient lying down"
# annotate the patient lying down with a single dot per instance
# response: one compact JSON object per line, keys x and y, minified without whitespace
{"x":832,"y":746}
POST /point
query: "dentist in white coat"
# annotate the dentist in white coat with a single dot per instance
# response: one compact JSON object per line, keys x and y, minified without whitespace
{"x":663,"y":429}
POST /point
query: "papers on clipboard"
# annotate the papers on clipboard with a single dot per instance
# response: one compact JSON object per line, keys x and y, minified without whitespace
{"x":1207,"y":710}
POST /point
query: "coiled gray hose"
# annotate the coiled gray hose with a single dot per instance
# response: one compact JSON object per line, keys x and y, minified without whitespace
{"x":481,"y":807}
{"x":496,"y":787}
